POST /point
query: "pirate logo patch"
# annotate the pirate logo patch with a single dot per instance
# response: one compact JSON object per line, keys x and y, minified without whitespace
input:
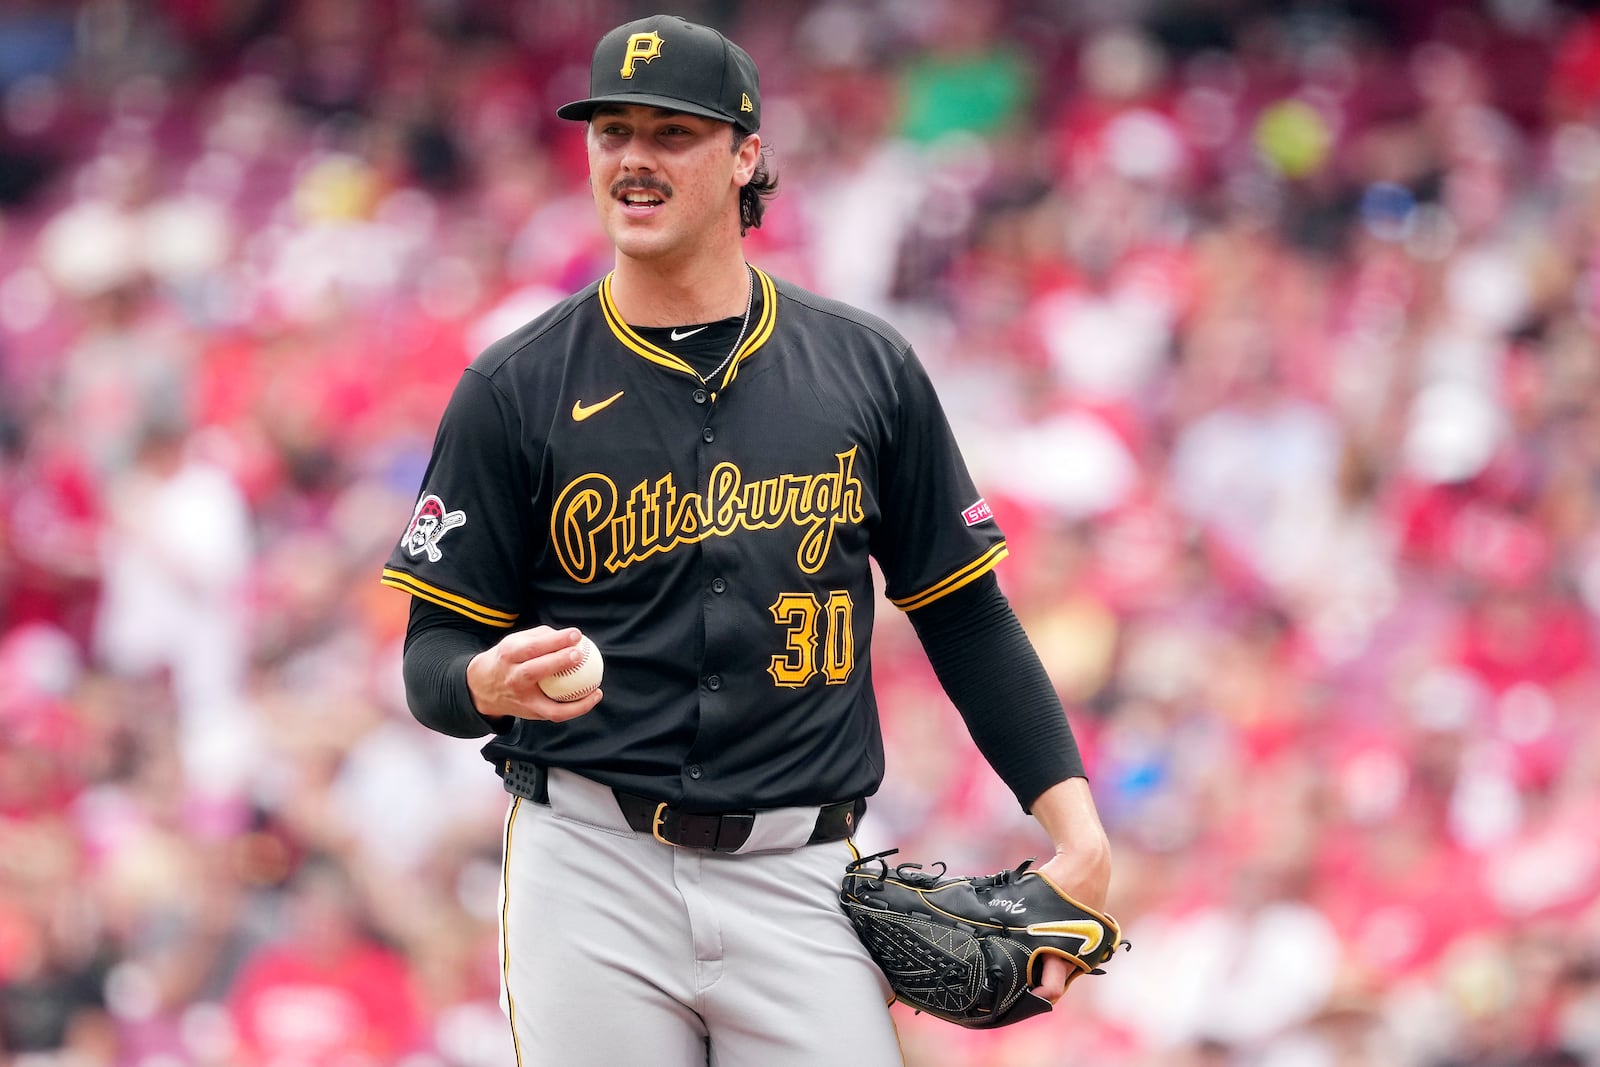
{"x":429,"y":523}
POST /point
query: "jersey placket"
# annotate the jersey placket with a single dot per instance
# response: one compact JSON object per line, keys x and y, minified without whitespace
{"x":713,"y":567}
{"x":715,"y":559}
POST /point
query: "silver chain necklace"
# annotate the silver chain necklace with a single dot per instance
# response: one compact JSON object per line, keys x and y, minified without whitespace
{"x":749,"y":301}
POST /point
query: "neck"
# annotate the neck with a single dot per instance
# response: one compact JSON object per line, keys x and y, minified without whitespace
{"x":647,"y":294}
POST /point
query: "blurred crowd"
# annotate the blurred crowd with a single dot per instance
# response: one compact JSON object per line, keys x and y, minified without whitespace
{"x":1269,"y":331}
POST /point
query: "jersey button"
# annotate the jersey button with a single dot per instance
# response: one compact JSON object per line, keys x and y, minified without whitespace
{"x":719,"y":586}
{"x":701,"y":396}
{"x":694,"y":771}
{"x":714,"y":682}
{"x":708,"y":435}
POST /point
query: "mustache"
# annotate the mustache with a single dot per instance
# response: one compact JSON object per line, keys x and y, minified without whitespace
{"x":646,"y":184}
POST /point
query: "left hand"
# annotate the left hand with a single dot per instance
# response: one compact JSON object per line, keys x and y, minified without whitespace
{"x":1081,"y":868}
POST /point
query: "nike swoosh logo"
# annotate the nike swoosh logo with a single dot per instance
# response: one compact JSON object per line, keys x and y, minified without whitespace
{"x":1090,"y":933}
{"x":581,"y":411}
{"x":676,"y":336}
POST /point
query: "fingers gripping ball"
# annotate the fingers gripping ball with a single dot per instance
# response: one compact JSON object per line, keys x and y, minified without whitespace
{"x":579,"y":680}
{"x":968,"y":949}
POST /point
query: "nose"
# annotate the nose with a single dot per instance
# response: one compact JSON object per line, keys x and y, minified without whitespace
{"x":636,"y":156}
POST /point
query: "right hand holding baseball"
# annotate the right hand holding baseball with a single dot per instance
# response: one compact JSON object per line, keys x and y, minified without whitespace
{"x":504,"y":680}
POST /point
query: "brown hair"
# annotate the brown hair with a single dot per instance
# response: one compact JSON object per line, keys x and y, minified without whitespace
{"x":763,"y":186}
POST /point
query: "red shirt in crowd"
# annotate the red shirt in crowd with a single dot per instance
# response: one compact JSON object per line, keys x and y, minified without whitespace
{"x":294,"y":1006}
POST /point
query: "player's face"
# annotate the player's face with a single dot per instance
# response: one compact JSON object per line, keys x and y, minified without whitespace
{"x":664,"y":181}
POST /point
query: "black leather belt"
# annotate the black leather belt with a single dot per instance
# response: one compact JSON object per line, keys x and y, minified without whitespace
{"x":720,"y":832}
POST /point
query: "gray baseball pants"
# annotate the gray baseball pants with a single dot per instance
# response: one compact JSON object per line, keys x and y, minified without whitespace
{"x":618,"y":950}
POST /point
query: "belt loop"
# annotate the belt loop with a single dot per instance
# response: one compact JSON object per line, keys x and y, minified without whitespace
{"x":531,"y":781}
{"x":733,"y":830}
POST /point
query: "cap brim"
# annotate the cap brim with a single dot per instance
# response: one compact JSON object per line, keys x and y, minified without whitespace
{"x":582,"y":110}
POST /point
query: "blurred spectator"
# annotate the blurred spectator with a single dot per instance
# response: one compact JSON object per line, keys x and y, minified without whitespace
{"x":53,"y":961}
{"x":130,"y":361}
{"x":964,"y":77}
{"x":177,"y":552}
{"x":1240,"y":971}
{"x":50,"y":515}
{"x":324,"y":990}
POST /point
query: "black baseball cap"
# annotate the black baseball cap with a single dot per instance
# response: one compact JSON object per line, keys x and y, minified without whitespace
{"x":669,"y":62}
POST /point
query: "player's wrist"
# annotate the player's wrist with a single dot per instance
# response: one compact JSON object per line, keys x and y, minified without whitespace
{"x":1087,"y":844}
{"x":481,"y":670}
{"x":1082,"y":870}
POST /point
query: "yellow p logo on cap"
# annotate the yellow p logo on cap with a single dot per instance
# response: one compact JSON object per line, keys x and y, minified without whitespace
{"x":642,"y":48}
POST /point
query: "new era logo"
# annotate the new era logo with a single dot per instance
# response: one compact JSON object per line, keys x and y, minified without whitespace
{"x":744,"y":102}
{"x":979,"y":512}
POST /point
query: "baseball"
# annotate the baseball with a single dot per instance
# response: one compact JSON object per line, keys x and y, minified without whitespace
{"x":578,"y":681}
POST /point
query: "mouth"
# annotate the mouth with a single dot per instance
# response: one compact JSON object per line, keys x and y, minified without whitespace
{"x":641,"y":200}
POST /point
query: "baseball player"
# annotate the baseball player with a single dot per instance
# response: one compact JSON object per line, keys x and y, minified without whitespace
{"x":691,"y":462}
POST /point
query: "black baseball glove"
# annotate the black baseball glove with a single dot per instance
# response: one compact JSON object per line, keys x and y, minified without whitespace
{"x":968,"y":949}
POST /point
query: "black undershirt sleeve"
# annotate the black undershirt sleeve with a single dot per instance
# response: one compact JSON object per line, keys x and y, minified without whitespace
{"x":993,"y":676}
{"x":439,"y":644}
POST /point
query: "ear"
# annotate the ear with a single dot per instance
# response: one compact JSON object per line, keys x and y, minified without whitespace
{"x":746,"y":157}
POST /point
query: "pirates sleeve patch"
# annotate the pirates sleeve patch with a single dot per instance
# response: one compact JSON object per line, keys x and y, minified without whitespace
{"x":430,"y":522}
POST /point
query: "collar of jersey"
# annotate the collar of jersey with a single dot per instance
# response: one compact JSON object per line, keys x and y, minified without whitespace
{"x":759,"y":332}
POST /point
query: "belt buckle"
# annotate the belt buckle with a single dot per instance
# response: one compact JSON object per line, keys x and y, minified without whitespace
{"x":655,"y":824}
{"x":721,"y":836}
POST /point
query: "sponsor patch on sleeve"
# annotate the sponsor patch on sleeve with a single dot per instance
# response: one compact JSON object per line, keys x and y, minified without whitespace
{"x":979,"y":512}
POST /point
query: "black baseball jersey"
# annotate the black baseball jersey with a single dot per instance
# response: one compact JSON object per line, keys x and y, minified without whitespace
{"x":713,"y":539}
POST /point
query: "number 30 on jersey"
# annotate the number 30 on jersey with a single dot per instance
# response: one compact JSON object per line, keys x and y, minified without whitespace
{"x":812,"y":627}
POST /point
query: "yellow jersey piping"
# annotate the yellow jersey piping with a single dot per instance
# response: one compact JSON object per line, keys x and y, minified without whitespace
{"x":433,"y":594}
{"x":630,"y":339}
{"x":505,"y":933}
{"x":970,"y":573}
